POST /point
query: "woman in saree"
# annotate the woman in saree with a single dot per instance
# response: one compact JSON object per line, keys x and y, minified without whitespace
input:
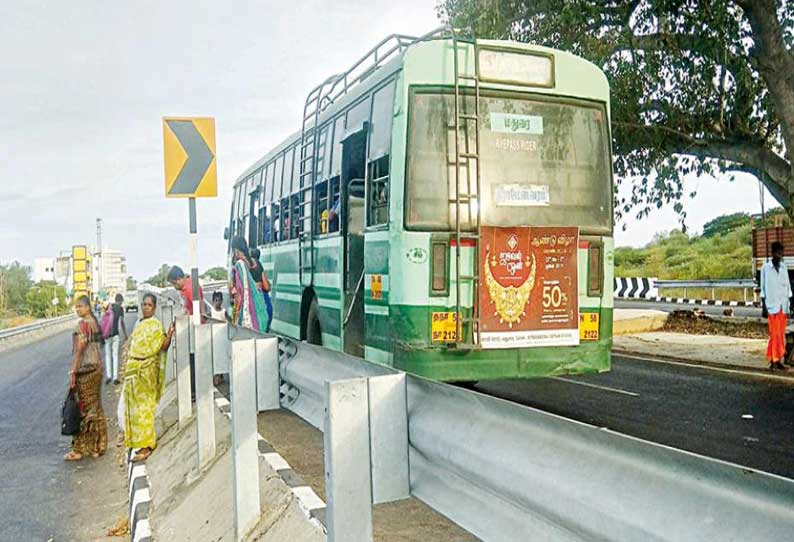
{"x":144,"y":379}
{"x":260,"y":277}
{"x":85,"y":377}
{"x":249,"y":306}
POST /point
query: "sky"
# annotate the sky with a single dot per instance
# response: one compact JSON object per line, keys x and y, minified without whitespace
{"x":86,"y":84}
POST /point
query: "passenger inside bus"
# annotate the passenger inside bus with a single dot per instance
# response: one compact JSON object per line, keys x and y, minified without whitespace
{"x":333,"y":215}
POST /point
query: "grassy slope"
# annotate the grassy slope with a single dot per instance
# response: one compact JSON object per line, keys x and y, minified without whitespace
{"x":678,"y":256}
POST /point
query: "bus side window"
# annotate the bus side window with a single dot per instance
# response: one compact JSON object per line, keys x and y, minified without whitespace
{"x":276,"y":223}
{"x":321,"y":213}
{"x":296,"y":214}
{"x":262,"y":222}
{"x":285,"y":219}
{"x":333,"y":224}
{"x":378,"y":160}
{"x":264,"y":203}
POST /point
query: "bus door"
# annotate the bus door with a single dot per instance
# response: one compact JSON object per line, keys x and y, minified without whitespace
{"x":354,"y":151}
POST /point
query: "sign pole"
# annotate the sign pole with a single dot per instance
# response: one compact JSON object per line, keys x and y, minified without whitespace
{"x":194,"y":262}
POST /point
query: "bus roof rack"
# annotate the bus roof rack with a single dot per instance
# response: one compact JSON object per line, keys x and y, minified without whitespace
{"x":340,"y":84}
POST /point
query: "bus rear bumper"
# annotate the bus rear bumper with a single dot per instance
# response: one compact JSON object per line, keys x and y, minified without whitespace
{"x":476,"y":365}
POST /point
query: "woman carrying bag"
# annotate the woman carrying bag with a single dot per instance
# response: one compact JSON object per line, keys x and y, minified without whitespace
{"x":85,"y":378}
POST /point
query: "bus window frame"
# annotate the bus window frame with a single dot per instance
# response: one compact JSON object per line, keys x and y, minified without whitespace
{"x":372,"y":160}
{"x":501,"y":93}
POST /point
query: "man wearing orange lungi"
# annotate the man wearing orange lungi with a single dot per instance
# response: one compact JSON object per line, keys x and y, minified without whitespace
{"x":775,"y":295}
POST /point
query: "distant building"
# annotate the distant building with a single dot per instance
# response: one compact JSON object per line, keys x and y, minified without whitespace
{"x":43,"y":269}
{"x":63,"y":270}
{"x":110,"y":271}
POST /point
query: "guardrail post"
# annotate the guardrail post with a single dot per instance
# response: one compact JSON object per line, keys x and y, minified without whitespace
{"x":221,"y":349}
{"x":348,"y":483}
{"x":245,"y":459}
{"x":388,"y":426}
{"x":205,"y":400}
{"x":267,"y":376}
{"x":183,"y":369}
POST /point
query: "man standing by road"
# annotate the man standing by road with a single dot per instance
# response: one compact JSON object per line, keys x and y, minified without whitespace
{"x":775,"y":295}
{"x":184,"y":284}
{"x":112,"y":341}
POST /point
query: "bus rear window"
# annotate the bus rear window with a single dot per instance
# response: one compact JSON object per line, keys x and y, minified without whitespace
{"x":544,"y":162}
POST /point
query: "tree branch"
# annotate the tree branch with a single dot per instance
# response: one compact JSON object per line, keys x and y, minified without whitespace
{"x":774,"y":61}
{"x":773,"y":170}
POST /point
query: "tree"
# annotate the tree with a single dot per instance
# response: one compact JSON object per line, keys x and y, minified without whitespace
{"x":14,"y":285}
{"x":161,"y":278}
{"x":216,"y":273}
{"x":697,"y":86}
{"x":132,"y":284}
{"x":725,"y":224}
{"x":38,"y":299}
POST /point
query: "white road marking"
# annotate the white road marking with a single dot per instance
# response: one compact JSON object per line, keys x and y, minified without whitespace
{"x":624,"y":392}
{"x":708,"y":367}
{"x":747,"y":416}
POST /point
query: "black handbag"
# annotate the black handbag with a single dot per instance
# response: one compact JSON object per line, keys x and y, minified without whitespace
{"x":70,"y":415}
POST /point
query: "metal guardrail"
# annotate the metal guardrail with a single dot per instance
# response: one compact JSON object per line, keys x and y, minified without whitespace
{"x":507,"y":472}
{"x":716,"y":283}
{"x":35,"y":326}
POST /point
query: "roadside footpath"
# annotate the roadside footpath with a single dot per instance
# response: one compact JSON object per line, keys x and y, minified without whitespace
{"x":643,"y":333}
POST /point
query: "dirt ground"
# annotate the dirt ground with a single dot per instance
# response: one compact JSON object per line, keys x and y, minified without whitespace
{"x":695,"y":323}
{"x":409,"y":520}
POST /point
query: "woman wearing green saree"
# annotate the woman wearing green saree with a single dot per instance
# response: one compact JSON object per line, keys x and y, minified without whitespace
{"x":144,"y":379}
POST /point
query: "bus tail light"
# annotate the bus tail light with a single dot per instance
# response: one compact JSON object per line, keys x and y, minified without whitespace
{"x":595,"y":270}
{"x":438,"y":267}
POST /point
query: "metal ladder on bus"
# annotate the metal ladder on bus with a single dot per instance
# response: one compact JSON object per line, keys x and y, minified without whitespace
{"x":309,"y":148}
{"x":470,"y":232}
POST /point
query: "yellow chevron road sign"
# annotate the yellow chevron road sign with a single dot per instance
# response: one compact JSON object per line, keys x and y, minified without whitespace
{"x":189,"y":155}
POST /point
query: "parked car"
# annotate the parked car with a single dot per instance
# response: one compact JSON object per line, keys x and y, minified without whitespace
{"x":130,"y":301}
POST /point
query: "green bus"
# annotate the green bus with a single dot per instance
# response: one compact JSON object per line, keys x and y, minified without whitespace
{"x":445,"y":209}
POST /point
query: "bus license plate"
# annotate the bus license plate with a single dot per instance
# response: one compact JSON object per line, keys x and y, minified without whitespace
{"x":444,"y":327}
{"x":588,"y":326}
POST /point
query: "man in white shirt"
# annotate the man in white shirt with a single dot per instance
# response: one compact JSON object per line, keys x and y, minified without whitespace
{"x":775,"y":296}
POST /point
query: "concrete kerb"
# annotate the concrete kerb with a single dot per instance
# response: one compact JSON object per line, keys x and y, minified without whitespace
{"x":140,"y":501}
{"x":628,"y":321}
{"x":309,"y":503}
{"x":184,"y":502}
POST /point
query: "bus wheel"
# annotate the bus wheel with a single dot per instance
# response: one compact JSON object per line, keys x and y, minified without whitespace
{"x":313,"y":331}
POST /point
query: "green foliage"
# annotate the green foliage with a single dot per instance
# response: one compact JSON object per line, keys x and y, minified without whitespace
{"x":38,"y":299}
{"x":14,"y":285}
{"x":161,"y":278}
{"x":725,"y":224}
{"x":215,"y":273}
{"x":697,"y":87}
{"x":132,"y":284}
{"x":676,"y":255}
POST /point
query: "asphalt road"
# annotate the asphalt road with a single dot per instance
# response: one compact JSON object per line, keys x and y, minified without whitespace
{"x":670,"y":307}
{"x":43,"y":498}
{"x":695,"y":409}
